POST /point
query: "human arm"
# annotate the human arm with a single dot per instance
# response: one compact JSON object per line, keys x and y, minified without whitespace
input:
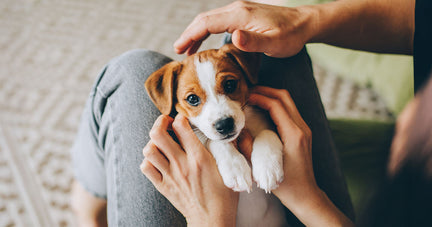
{"x":299,"y":191}
{"x":385,"y":26}
{"x":381,"y":26}
{"x":187,"y":175}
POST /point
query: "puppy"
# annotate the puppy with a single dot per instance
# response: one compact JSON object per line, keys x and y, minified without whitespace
{"x":210,"y":88}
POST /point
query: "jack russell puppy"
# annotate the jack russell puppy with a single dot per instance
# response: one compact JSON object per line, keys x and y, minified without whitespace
{"x":210,"y":88}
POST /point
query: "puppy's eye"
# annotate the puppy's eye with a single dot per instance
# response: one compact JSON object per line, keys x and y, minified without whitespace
{"x":230,"y":86}
{"x":193,"y":100}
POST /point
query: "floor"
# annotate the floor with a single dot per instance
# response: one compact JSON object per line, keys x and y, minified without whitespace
{"x":50,"y":54}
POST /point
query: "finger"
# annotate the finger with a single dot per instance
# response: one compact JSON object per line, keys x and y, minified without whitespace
{"x":280,"y":94}
{"x":194,"y":47}
{"x":151,"y":172}
{"x":156,"y":158}
{"x":165,"y":143}
{"x":286,"y":100}
{"x":251,"y":41}
{"x":280,"y":116}
{"x":245,"y":144}
{"x":186,"y":136}
{"x":216,"y":21}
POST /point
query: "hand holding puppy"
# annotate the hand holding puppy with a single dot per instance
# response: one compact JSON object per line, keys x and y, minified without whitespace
{"x":189,"y":177}
{"x":299,"y":180}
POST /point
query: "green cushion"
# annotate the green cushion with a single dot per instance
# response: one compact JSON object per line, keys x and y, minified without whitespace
{"x":391,"y":76}
{"x":363,"y":148}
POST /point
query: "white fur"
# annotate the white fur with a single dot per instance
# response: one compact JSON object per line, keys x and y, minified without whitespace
{"x":267,"y":160}
{"x":232,"y":165}
{"x":216,"y":106}
{"x":256,"y":208}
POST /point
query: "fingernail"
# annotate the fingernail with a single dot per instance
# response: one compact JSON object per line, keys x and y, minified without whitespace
{"x":176,"y":43}
{"x":243,"y":38}
{"x":180,"y":117}
{"x":176,"y":46}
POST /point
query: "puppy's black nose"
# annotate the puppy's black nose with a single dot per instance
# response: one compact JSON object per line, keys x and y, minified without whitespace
{"x":225,"y":125}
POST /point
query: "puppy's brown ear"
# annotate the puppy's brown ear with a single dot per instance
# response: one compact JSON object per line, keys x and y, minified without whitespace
{"x":160,"y":86}
{"x":248,"y":61}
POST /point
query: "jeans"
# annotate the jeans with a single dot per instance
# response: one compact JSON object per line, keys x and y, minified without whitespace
{"x":118,"y":116}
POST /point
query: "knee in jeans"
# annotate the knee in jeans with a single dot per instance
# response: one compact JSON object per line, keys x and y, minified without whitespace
{"x":140,"y":61}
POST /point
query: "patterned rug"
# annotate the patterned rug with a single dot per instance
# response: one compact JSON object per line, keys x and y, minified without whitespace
{"x":50,"y":54}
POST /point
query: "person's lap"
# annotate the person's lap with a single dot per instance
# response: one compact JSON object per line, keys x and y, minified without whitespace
{"x":119,"y":114}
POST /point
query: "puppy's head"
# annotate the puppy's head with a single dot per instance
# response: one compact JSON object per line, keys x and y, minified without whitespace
{"x":210,"y":88}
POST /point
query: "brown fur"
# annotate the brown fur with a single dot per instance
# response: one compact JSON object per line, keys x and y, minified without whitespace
{"x":180,"y":78}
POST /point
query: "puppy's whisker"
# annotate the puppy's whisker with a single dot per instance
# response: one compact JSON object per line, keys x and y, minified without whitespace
{"x":199,"y":134}
{"x":244,"y":105}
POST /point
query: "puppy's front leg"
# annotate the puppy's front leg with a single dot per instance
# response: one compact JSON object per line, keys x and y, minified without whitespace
{"x":267,"y":162}
{"x":233,"y":166}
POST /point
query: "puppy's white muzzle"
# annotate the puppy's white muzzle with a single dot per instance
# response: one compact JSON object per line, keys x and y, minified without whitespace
{"x":221,"y":119}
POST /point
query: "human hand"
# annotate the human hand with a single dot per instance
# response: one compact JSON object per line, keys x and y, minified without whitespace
{"x":295,"y":136}
{"x":298,"y":191}
{"x":187,"y":174}
{"x":274,"y":30}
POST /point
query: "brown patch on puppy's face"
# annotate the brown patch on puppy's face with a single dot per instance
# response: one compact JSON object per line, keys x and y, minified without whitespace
{"x":210,"y":89}
{"x":188,"y":85}
{"x":229,"y":81}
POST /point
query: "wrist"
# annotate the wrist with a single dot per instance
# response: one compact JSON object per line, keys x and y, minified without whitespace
{"x":310,"y":21}
{"x":215,"y":219}
{"x":211,"y":223}
{"x":318,"y":210}
{"x":333,"y":22}
{"x":323,"y":21}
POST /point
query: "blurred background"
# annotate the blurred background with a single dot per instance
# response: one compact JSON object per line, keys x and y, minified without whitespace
{"x":52,"y":50}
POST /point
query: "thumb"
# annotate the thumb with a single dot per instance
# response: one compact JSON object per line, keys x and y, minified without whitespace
{"x":187,"y":138}
{"x":252,"y":41}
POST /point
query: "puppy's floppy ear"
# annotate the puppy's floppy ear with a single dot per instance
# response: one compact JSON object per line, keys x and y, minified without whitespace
{"x":160,"y":86}
{"x":248,"y":61}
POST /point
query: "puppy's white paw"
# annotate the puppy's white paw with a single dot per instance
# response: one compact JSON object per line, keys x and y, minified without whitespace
{"x":267,"y":161}
{"x":236,"y":173}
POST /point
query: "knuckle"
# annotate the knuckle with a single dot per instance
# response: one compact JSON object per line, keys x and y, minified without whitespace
{"x":149,"y":153}
{"x":179,"y":124}
{"x":155,"y":133}
{"x":202,"y":18}
{"x":284,"y":94}
{"x":308,"y":133}
{"x":200,"y":15}
{"x":145,"y":150}
{"x":164,"y":118}
{"x":274,"y":102}
{"x":302,"y":138}
{"x":145,"y":167}
{"x":244,"y":6}
{"x":238,"y":4}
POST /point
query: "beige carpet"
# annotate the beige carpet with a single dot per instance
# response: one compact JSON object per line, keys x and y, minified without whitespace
{"x":50,"y":53}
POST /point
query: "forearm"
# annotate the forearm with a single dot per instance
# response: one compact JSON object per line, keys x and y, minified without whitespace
{"x":217,"y":220}
{"x":385,"y":26}
{"x":316,"y":209}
